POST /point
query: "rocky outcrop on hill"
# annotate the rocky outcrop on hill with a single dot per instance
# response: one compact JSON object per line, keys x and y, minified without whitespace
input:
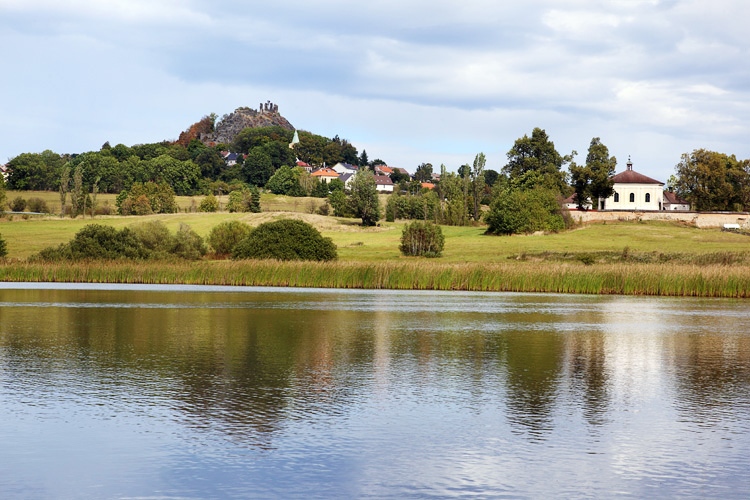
{"x":232,"y":124}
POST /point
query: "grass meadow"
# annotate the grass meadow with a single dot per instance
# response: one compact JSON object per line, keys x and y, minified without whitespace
{"x":651,"y":258}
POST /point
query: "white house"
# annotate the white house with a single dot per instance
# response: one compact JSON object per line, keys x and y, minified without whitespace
{"x":383,"y":184}
{"x":634,"y":191}
{"x":325,"y":174}
{"x":344,"y":168}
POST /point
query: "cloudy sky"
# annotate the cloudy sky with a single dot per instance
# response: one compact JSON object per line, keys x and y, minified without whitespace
{"x":409,"y":81}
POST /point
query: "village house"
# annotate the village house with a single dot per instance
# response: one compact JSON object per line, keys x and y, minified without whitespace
{"x":344,"y":168}
{"x":383,"y":184}
{"x":347,"y":180}
{"x":674,"y":202}
{"x":383,"y":170}
{"x":307,"y":168}
{"x":325,"y":174}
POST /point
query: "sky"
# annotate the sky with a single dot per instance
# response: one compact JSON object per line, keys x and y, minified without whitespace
{"x":415,"y":81}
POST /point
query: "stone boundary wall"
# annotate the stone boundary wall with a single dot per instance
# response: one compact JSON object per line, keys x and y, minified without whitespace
{"x":698,"y":219}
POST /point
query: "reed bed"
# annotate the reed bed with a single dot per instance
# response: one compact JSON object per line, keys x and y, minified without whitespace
{"x":413,"y":274}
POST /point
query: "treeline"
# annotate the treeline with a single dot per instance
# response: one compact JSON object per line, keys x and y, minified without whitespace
{"x":190,"y":170}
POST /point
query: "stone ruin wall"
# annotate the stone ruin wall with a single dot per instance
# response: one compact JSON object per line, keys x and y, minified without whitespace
{"x":698,"y":219}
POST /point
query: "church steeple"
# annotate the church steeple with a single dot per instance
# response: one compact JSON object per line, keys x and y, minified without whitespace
{"x":630,"y":163}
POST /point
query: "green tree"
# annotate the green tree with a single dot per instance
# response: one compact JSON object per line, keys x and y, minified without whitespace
{"x":363,"y":160}
{"x":364,"y":197}
{"x":491,"y":177}
{"x":525,"y":211}
{"x":182,"y":175}
{"x":477,"y":183}
{"x":35,"y":171}
{"x":209,"y":204}
{"x":537,"y":154}
{"x":285,"y":181}
{"x":94,"y":193}
{"x":76,"y":191}
{"x":258,"y":167}
{"x":602,"y":167}
{"x":424,"y":173}
{"x":712,"y":181}
{"x":3,"y":246}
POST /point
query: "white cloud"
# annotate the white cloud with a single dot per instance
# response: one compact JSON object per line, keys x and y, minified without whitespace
{"x":418,"y":81}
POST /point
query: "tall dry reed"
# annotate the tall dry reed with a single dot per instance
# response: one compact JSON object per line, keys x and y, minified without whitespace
{"x":418,"y":274}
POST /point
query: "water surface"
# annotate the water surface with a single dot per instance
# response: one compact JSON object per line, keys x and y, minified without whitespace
{"x":112,"y":391}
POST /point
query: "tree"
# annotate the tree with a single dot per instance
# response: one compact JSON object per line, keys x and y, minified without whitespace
{"x":286,"y":181}
{"x":398,"y":176}
{"x":75,"y":200}
{"x":601,"y":168}
{"x":537,"y":155}
{"x":517,"y":211}
{"x":258,"y":167}
{"x":363,"y":159}
{"x":490,"y":177}
{"x":424,"y":172}
{"x":477,"y":182}
{"x":35,"y":171}
{"x":3,"y":246}
{"x":712,"y":181}
{"x":94,"y":192}
{"x":364,"y":197}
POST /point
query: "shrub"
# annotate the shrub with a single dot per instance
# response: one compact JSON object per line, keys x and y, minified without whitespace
{"x":187,"y":244}
{"x":209,"y":204}
{"x":519,"y":211}
{"x":285,"y":240}
{"x":154,"y":236}
{"x":37,"y":205}
{"x":3,"y":247}
{"x":422,"y":239}
{"x":226,"y":235}
{"x":18,"y":204}
{"x":96,"y":241}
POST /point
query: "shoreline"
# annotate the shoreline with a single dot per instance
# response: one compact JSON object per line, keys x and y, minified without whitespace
{"x":670,"y":280}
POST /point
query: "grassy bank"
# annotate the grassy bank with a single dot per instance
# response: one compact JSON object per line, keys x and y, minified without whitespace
{"x":628,"y":279}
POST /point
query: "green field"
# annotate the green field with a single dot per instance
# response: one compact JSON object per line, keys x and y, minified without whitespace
{"x":626,"y":257}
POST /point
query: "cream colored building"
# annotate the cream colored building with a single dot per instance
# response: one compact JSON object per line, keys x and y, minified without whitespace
{"x":634,"y":191}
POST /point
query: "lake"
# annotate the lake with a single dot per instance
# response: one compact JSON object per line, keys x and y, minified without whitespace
{"x":124,"y":392}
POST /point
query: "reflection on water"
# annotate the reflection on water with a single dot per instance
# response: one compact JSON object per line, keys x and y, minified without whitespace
{"x":197,"y":392}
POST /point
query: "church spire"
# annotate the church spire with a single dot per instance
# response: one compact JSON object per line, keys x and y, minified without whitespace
{"x":630,"y":163}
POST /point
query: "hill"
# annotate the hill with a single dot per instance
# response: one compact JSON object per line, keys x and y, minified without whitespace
{"x":233,"y":123}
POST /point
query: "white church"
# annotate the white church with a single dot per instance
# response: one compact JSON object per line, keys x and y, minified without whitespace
{"x":634,"y":191}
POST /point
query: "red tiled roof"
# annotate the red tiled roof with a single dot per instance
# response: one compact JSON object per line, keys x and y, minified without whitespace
{"x":633,"y":177}
{"x":325,"y":172}
{"x":673,"y":198}
{"x":383,"y":180}
{"x":428,"y":185}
